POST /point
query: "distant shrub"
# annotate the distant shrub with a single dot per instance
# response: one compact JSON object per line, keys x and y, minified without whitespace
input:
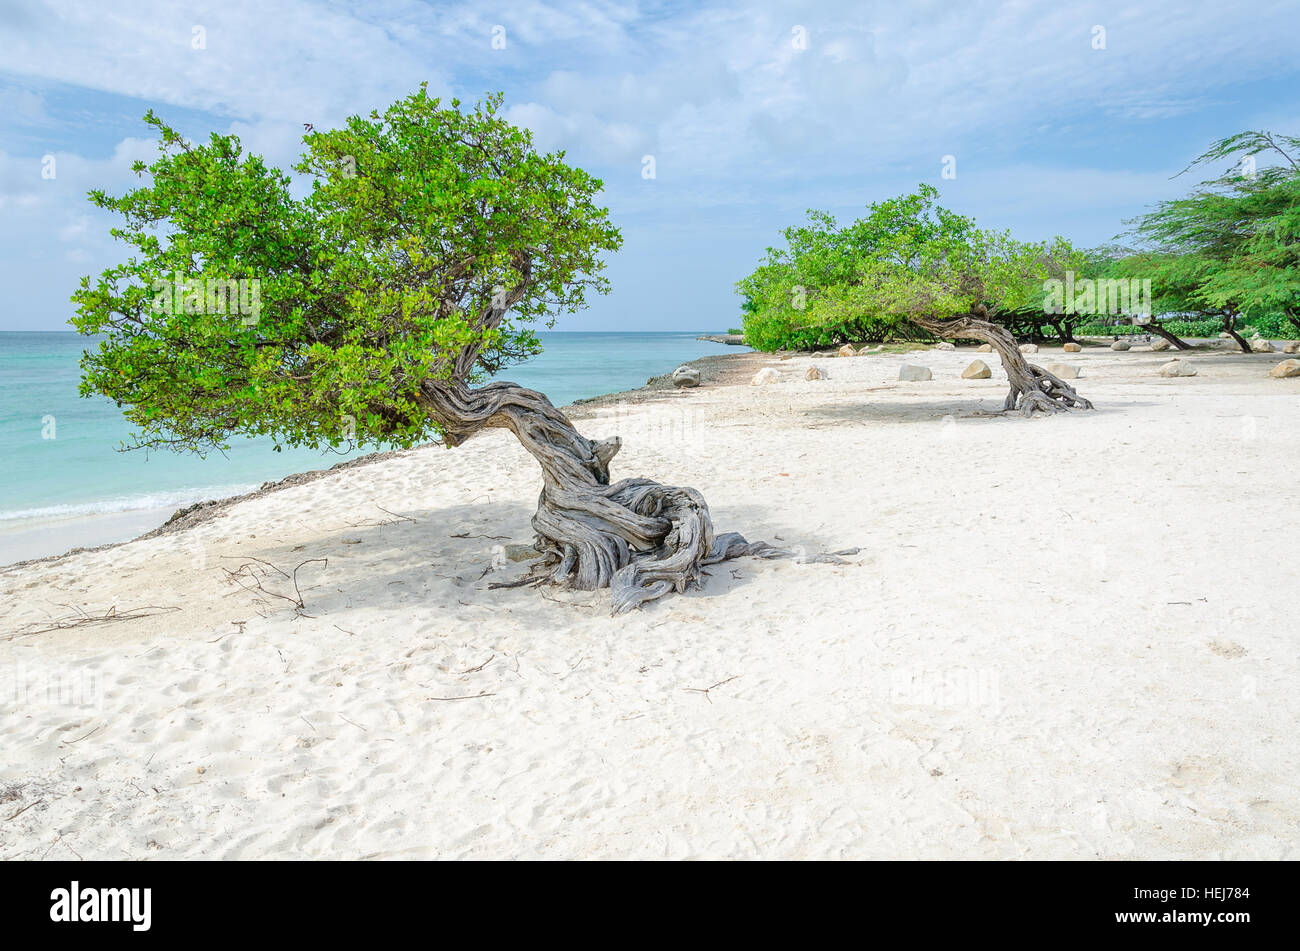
{"x":787,"y":330}
{"x":1179,"y":328}
{"x":1194,"y":328}
{"x":1273,"y":326}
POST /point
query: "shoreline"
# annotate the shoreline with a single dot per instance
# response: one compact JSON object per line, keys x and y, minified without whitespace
{"x":724,"y":369}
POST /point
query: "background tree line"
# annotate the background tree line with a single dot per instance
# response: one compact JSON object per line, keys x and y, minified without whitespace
{"x":1224,"y":258}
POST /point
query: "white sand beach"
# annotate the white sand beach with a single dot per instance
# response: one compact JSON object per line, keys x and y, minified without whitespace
{"x":1070,"y":637}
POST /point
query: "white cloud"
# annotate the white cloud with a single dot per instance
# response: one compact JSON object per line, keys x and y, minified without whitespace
{"x":1051,"y":135}
{"x":292,"y":60}
{"x":721,"y":87}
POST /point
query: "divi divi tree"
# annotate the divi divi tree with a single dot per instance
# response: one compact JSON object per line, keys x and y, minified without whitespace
{"x":911,"y":262}
{"x":373,"y":310}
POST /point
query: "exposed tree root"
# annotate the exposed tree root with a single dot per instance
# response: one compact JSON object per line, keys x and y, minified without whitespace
{"x":1046,"y":393}
{"x":636,"y":537}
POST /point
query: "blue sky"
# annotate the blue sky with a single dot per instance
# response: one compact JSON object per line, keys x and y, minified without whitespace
{"x":748,"y":126}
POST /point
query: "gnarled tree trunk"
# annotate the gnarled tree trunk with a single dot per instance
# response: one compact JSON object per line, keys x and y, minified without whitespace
{"x":1033,"y":389}
{"x":1064,"y":330}
{"x":639,"y":538}
{"x":1156,"y":328}
{"x":1230,"y":325}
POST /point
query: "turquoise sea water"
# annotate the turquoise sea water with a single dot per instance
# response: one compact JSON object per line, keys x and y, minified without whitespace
{"x":58,"y":457}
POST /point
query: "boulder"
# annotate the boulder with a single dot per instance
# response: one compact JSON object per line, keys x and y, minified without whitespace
{"x":1285,"y":369}
{"x":1066,"y":371}
{"x":1292,"y":347}
{"x":1160,"y":344}
{"x":686,"y":376}
{"x":1029,"y":348}
{"x":1261,"y":346}
{"x":815,"y":373}
{"x":847,"y":351}
{"x":1072,"y":348}
{"x":986,"y":348}
{"x":913,"y":374}
{"x":1120,"y":345}
{"x":978,"y":370}
{"x":765,"y":375}
{"x":944,"y":345}
{"x":1178,"y":368}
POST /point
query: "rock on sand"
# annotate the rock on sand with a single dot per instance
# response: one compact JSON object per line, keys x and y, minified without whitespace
{"x":686,"y":376}
{"x":1177,"y":368}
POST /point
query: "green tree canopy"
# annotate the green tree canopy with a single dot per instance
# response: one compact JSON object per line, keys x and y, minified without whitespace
{"x":909,"y":263}
{"x":1232,"y":247}
{"x":908,"y":258}
{"x":432,"y":241}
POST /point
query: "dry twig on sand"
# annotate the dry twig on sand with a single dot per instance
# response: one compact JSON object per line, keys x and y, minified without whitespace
{"x":705,"y":690}
{"x":474,"y":670}
{"x":248,"y":577}
{"x":397,"y":515}
{"x":82,"y":619}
